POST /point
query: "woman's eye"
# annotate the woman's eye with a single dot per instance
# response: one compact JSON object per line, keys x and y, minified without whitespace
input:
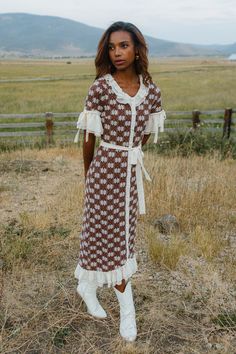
{"x":124,"y":45}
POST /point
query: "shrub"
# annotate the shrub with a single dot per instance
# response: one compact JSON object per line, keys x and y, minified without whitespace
{"x":199,"y":142}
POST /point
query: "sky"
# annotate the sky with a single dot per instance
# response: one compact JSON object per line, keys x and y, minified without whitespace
{"x":186,"y":21}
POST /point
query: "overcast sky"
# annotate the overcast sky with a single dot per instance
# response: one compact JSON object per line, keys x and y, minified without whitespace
{"x":189,"y":21}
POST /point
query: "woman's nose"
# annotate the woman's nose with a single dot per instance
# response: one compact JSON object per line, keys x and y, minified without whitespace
{"x":117,"y":51}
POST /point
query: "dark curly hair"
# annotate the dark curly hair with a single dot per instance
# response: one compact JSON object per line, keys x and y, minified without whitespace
{"x":102,"y":61}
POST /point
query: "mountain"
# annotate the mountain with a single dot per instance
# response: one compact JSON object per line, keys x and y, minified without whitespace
{"x":46,"y":36}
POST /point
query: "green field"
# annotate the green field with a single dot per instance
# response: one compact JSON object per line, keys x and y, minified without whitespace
{"x":186,"y":84}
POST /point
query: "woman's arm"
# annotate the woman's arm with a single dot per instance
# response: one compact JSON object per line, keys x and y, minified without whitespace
{"x":88,"y":151}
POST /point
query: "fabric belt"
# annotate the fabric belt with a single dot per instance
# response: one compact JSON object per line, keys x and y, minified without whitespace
{"x":135,"y":157}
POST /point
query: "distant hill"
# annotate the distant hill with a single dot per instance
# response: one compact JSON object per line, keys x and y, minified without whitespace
{"x":45,"y":36}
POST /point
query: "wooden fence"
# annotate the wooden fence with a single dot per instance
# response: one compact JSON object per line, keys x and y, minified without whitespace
{"x":50,"y":125}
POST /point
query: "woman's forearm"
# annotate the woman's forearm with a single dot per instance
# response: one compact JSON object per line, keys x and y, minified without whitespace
{"x":88,"y":151}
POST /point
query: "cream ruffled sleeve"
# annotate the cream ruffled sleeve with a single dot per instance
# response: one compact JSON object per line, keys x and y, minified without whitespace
{"x":91,"y":122}
{"x":90,"y":118}
{"x":155,"y":123}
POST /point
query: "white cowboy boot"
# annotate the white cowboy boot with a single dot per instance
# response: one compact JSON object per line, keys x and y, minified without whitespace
{"x":87,"y":290}
{"x":128,"y":328}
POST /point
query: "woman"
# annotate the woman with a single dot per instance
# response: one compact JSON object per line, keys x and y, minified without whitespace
{"x":123,"y":107}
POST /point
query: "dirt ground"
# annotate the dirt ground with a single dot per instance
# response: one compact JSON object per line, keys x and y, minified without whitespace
{"x":189,"y":309}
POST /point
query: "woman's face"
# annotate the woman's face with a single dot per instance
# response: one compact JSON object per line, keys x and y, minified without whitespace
{"x":121,"y":50}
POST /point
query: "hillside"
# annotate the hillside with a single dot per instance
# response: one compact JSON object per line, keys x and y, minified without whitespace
{"x":34,"y":35}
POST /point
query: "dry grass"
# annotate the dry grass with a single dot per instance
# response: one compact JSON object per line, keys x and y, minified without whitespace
{"x":196,"y":190}
{"x":166,"y":252}
{"x":184,"y":290}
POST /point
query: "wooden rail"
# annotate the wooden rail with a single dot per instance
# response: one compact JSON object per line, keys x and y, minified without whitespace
{"x":51,"y":125}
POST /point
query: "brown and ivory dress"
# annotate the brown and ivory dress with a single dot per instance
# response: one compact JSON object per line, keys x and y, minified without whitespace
{"x":114,"y":185}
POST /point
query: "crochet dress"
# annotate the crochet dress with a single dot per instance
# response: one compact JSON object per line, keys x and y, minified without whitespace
{"x":114,"y":185}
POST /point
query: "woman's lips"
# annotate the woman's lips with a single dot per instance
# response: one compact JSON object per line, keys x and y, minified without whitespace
{"x":119,"y":62}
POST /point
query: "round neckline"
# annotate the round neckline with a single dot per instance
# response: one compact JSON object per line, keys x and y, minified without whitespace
{"x":125,"y":93}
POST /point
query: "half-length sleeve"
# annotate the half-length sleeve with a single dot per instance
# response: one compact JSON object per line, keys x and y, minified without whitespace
{"x":157,"y":115}
{"x":90,"y":118}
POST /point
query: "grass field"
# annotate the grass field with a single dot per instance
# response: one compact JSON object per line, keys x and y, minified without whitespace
{"x":185,"y":288}
{"x":185,"y":84}
{"x":39,"y":86}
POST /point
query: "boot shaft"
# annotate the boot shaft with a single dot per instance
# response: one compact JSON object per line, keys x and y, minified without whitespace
{"x":125,"y":299}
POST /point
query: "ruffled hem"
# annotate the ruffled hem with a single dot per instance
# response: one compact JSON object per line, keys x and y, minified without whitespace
{"x":110,"y":278}
{"x":155,"y":124}
{"x":91,"y":122}
{"x":123,"y":97}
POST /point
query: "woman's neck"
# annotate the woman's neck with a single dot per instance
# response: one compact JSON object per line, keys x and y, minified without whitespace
{"x":126,"y":75}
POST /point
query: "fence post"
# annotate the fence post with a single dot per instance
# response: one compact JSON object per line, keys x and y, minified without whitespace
{"x":49,"y":126}
{"x":227,"y":122}
{"x":196,"y":118}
